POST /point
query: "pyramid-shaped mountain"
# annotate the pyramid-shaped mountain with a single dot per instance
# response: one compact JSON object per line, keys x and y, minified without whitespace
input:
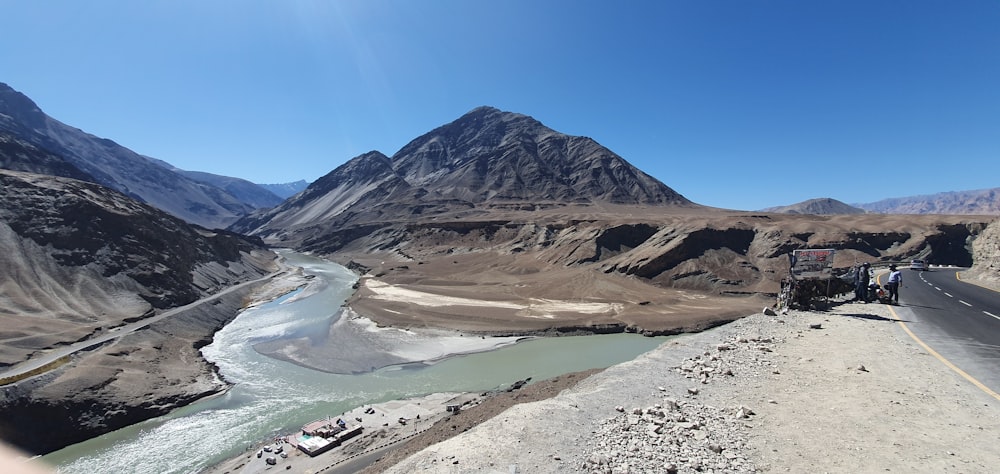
{"x":490,"y":155}
{"x":486,"y":160}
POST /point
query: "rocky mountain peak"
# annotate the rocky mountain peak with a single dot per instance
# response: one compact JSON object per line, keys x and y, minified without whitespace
{"x":491,"y":155}
{"x":17,"y":108}
{"x":485,"y":160}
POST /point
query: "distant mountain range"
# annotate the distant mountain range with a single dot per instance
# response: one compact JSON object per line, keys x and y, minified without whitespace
{"x":984,"y":202}
{"x":977,"y":202}
{"x":286,"y":190}
{"x":198,"y":199}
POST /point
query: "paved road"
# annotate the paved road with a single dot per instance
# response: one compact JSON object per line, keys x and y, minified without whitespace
{"x":117,"y":332}
{"x":958,"y":320}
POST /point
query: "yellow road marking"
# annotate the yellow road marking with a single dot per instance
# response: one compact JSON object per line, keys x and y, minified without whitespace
{"x":939,"y":357}
{"x":942,"y":359}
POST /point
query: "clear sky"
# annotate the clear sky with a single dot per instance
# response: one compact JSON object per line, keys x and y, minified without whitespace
{"x":735,"y":104}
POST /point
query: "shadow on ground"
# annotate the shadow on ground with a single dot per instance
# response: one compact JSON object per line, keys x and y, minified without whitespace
{"x":873,"y":317}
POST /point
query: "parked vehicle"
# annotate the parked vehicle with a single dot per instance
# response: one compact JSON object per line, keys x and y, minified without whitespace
{"x":918,"y":264}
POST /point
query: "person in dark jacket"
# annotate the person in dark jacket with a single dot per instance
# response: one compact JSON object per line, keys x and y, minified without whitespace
{"x":861,"y":280}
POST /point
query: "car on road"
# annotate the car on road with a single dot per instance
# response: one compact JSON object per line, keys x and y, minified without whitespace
{"x":918,"y":264}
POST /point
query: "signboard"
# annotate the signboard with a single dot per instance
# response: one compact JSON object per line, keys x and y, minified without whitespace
{"x":812,"y":264}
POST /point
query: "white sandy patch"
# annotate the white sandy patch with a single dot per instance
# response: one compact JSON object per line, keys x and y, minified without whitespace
{"x":428,"y":345}
{"x":534,"y":308}
{"x":386,"y":292}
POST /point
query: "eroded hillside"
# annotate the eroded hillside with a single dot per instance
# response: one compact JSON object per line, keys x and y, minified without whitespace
{"x":661,"y":272}
{"x":81,"y":260}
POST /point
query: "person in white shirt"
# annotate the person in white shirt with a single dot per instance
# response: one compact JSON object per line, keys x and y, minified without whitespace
{"x":895,"y":279}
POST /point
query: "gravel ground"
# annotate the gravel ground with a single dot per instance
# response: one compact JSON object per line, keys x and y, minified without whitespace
{"x":843,"y":390}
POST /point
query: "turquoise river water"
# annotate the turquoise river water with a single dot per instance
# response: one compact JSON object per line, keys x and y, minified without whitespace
{"x":272,"y":397}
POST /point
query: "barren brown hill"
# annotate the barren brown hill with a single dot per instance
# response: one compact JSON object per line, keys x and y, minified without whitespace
{"x":820,"y":206}
{"x":639,"y":269}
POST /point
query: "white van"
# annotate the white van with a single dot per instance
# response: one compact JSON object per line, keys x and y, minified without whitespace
{"x":918,"y":264}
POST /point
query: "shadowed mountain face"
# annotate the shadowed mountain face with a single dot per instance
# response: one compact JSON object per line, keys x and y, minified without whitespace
{"x":80,"y":256}
{"x":487,"y":160}
{"x":19,"y":155}
{"x":117,"y":167}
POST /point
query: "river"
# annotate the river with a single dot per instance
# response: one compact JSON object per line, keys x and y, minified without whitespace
{"x":273,"y":397}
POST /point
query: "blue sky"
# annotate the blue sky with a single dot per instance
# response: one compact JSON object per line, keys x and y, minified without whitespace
{"x":735,"y":104}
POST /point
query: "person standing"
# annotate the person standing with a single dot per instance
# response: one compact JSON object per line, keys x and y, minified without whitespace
{"x":861,"y":283}
{"x":895,"y":279}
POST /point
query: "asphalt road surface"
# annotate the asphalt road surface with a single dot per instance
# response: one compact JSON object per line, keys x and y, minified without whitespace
{"x":958,"y":320}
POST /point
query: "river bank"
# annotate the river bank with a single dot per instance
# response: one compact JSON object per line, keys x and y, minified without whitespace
{"x":842,"y":390}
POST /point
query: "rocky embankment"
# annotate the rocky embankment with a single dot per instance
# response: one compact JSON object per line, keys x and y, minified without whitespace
{"x":986,"y":254}
{"x":843,"y":390}
{"x":140,"y":376}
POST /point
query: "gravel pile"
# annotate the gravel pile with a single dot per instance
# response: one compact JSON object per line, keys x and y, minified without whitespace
{"x":677,"y":435}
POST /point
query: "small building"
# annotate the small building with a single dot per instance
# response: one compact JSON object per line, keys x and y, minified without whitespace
{"x":348,"y":434}
{"x":315,"y":445}
{"x":325,"y":428}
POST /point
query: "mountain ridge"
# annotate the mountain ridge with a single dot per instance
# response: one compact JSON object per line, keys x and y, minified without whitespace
{"x":970,"y":202}
{"x":486,"y":159}
{"x":285,"y":190}
{"x":117,"y":167}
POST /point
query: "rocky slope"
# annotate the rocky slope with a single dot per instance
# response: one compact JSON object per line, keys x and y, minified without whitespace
{"x":80,"y":259}
{"x":134,"y":378}
{"x":19,"y":155}
{"x":247,"y":192}
{"x":986,"y":257}
{"x":117,"y":167}
{"x":255,"y":195}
